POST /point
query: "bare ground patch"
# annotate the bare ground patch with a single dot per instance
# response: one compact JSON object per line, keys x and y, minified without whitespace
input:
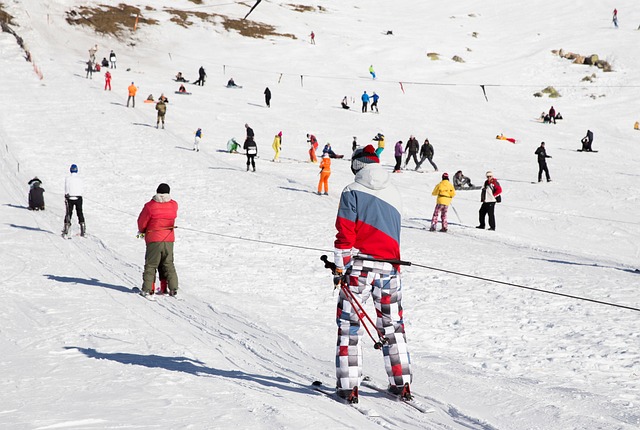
{"x":111,"y":20}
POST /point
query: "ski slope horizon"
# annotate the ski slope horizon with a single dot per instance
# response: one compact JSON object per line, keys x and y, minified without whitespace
{"x":254,"y":324}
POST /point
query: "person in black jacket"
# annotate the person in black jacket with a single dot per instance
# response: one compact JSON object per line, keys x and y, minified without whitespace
{"x":251,"y":149}
{"x":36,"y":195}
{"x":587,"y":141}
{"x":267,"y":97}
{"x":541,"y":152}
{"x":426,"y":153}
{"x":201,"y":76}
{"x":412,"y":149}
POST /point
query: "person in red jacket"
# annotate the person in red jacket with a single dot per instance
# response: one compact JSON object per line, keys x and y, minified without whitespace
{"x":156,"y":223}
{"x":107,"y":81}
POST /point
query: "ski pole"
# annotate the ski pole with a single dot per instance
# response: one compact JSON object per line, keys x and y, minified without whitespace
{"x":456,"y":212}
{"x":356,"y":305}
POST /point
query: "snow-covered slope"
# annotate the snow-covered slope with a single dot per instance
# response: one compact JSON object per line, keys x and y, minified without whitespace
{"x":254,"y":324}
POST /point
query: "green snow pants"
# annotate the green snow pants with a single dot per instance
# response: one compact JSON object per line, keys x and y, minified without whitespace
{"x":159,"y":255}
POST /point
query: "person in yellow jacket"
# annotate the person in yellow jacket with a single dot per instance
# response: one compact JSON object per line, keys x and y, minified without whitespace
{"x":277,"y":147}
{"x":325,"y":172}
{"x":445,"y":192}
{"x":380,"y":139}
{"x":132,"y":94}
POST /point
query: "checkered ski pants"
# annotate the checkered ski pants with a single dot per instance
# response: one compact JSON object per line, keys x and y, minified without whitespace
{"x":382,"y":281}
{"x":442,"y":210}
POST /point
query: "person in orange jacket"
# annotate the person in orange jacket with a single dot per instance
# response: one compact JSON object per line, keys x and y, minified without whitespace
{"x":132,"y":94}
{"x":325,"y":172}
{"x":313,"y":146}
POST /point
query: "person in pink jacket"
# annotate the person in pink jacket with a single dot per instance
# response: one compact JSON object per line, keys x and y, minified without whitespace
{"x":156,"y":223}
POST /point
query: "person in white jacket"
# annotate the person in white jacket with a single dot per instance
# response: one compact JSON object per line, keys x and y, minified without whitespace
{"x":73,"y":198}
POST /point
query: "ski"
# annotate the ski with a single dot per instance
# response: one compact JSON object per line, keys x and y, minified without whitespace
{"x":412,"y":402}
{"x":149,"y":297}
{"x":319,"y":387}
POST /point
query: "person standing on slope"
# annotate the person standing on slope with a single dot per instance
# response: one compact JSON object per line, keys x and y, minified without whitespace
{"x":251,"y":150}
{"x":277,"y":146}
{"x":368,"y":225}
{"x":132,"y":94}
{"x":267,"y":97}
{"x":426,"y":153}
{"x":444,"y":192}
{"x":313,"y":147}
{"x":398,"y":151}
{"x":365,"y":101}
{"x":489,"y":196}
{"x":374,"y":104}
{"x":541,"y":152}
{"x":412,"y":149}
{"x":372,"y":72}
{"x":325,"y":172}
{"x":112,"y":59}
{"x":156,"y":223}
{"x":197,"y":139}
{"x":201,"y":76}
{"x":73,"y":189}
{"x":107,"y":81}
{"x":161,"y":107}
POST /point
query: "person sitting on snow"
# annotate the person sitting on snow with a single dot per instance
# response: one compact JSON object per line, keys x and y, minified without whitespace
{"x":460,"y":181}
{"x":180,"y":78}
{"x":344,"y":103}
{"x":231,"y":83}
{"x":182,"y":89}
{"x":503,"y":137}
{"x":327,"y":150}
{"x":233,"y":145}
{"x":36,"y":197}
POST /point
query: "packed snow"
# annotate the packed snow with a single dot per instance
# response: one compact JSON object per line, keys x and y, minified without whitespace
{"x":254,"y":322}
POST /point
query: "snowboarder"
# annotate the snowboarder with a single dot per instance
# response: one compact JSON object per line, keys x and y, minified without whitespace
{"x":104,"y":62}
{"x":372,"y":72}
{"x":374,"y":104}
{"x":426,"y":153}
{"x":368,"y":224}
{"x":156,"y":223}
{"x":132,"y":94}
{"x":36,"y":195}
{"x":161,"y":107}
{"x":541,"y":152}
{"x":412,"y":149}
{"x":380,"y":139}
{"x":251,"y":150}
{"x":445,"y":193}
{"x":313,"y":38}
{"x":490,"y":195}
{"x":313,"y":147}
{"x":232,"y":146}
{"x":460,"y":181}
{"x":112,"y":59}
{"x":325,"y":172}
{"x":615,"y":17}
{"x":197,"y":139}
{"x":107,"y":81}
{"x":398,"y":151}
{"x":328,"y":150}
{"x":201,"y":76}
{"x":231,"y":83}
{"x":587,"y":141}
{"x":180,"y":78}
{"x":73,"y":199}
{"x":267,"y":97}
{"x":277,"y":146}
{"x":365,"y":101}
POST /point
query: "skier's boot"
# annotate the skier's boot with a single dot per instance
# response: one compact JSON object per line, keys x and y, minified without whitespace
{"x":350,"y":395}
{"x":163,"y":286}
{"x":83,"y":229}
{"x":65,"y":230}
{"x":403,"y":392}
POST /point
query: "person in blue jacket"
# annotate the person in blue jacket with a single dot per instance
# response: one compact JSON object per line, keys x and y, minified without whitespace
{"x":375,"y":98}
{"x":365,"y":101}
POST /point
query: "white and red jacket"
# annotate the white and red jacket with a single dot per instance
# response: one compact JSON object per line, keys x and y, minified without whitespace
{"x":369,"y":217}
{"x":157,"y":219}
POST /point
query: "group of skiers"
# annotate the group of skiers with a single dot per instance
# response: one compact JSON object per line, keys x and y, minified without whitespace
{"x":411,"y":149}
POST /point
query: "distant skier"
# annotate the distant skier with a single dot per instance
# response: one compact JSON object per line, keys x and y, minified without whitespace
{"x":267,"y":97}
{"x":89,"y":69}
{"x":250,"y":133}
{"x":92,"y":53}
{"x":36,"y":195}
{"x":490,"y":195}
{"x":552,"y":115}
{"x":73,"y":189}
{"x":587,"y":141}
{"x":313,"y":147}
{"x":365,"y":101}
{"x":161,"y":107}
{"x":112,"y":59}
{"x":313,"y":38}
{"x":132,"y":94}
{"x":374,"y":104}
{"x":202,"y":75}
{"x":615,"y":17}
{"x":197,"y":139}
{"x":277,"y":147}
{"x":380,"y":139}
{"x":368,"y":224}
{"x":426,"y":153}
{"x":372,"y":72}
{"x":398,"y":151}
{"x":354,"y":144}
{"x":412,"y":149}
{"x":444,"y":192}
{"x":156,"y":223}
{"x":251,"y":150}
{"x":541,"y":152}
{"x":325,"y":172}
{"x":107,"y":81}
